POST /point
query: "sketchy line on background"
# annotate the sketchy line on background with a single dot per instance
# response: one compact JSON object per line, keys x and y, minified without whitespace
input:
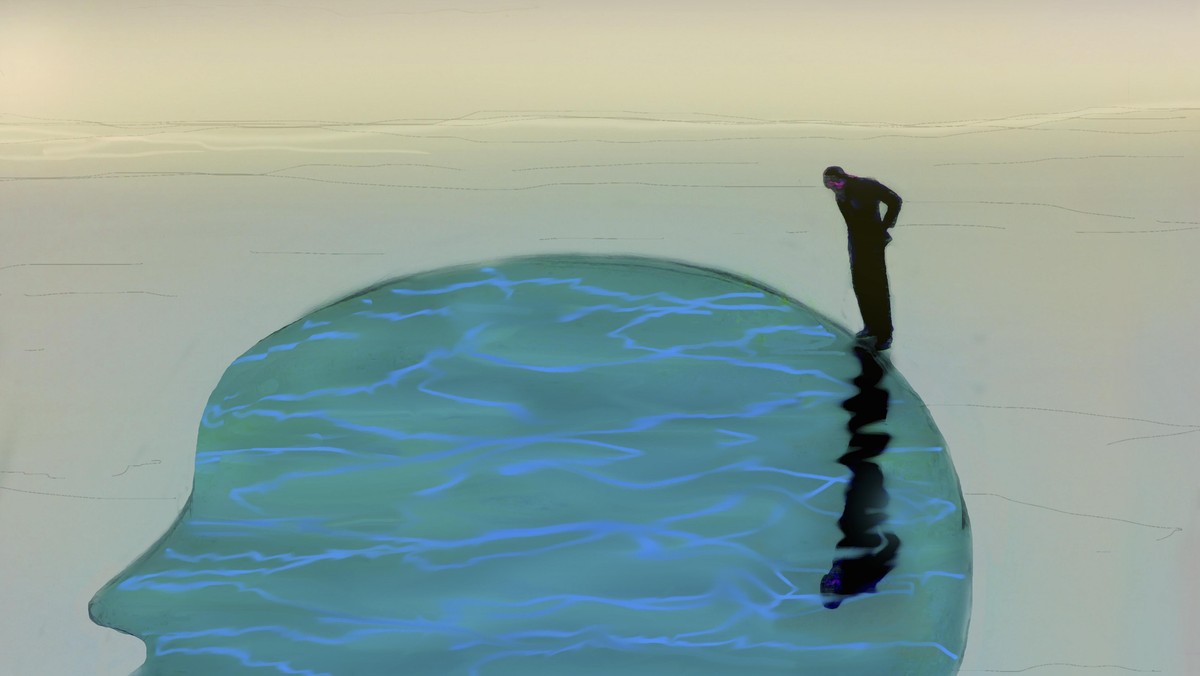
{"x":1173,"y":529}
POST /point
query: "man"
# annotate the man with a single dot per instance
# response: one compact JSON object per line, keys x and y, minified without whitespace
{"x":859,"y":199}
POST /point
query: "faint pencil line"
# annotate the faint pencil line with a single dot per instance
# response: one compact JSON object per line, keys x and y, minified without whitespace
{"x":625,"y":164}
{"x":1026,"y":204}
{"x":361,"y":166}
{"x":1158,"y":220}
{"x":320,"y":253}
{"x":108,"y":136}
{"x":657,"y":115}
{"x":100,"y":293}
{"x":68,"y":120}
{"x":207,"y":124}
{"x":609,"y":238}
{"x":1134,"y":232}
{"x":372,"y":128}
{"x":1152,"y":436}
{"x":1173,"y":529}
{"x":501,"y":116}
{"x":648,"y":116}
{"x":1066,"y":664}
{"x":1061,"y":410}
{"x":1056,"y":116}
{"x":733,"y":117}
{"x":950,"y":225}
{"x":1124,"y":119}
{"x":132,"y":175}
{"x":13,"y":471}
{"x":274,"y":173}
{"x":1119,"y":133}
{"x":346,"y":126}
{"x":22,"y":265}
{"x":540,"y":185}
{"x":73,"y":495}
{"x":35,"y":349}
{"x":449,"y":137}
{"x":1052,"y":159}
{"x":140,"y":464}
{"x":126,"y":175}
{"x":327,"y":10}
{"x":670,"y":118}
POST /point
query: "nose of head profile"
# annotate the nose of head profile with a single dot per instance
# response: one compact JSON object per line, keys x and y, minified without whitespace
{"x":106,"y":608}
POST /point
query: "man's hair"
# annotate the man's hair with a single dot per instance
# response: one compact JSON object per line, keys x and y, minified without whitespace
{"x":836,"y":172}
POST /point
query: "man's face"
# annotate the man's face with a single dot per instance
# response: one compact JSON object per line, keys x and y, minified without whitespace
{"x":835,"y":183}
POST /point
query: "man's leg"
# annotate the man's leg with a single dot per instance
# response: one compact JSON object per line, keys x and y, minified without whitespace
{"x":869,"y":275}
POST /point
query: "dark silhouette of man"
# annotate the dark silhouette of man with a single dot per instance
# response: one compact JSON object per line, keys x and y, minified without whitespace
{"x":858,"y":199}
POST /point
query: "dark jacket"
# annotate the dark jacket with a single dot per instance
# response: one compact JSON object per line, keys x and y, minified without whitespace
{"x":859,"y":204}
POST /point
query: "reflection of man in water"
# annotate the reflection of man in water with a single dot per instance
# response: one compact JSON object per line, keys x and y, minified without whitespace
{"x":859,"y":199}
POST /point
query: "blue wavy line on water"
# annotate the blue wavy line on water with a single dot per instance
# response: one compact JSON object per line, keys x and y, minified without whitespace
{"x":760,"y":588}
{"x":399,"y":317}
{"x":328,"y":335}
{"x":244,"y":658}
{"x":506,"y":285}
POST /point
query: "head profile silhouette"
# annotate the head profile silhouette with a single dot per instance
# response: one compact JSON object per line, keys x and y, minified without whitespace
{"x":548,"y":465}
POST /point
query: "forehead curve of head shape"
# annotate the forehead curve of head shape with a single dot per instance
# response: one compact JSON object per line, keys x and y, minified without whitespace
{"x":544,"y":465}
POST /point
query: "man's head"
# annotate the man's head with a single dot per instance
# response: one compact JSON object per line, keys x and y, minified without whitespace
{"x":835,"y":178}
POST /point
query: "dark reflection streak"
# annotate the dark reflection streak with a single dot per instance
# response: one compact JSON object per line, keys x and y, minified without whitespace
{"x":865,"y":495}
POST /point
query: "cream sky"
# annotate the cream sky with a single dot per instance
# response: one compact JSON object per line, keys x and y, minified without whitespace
{"x":368,"y":59}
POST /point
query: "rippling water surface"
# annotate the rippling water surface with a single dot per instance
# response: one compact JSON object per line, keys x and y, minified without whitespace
{"x":548,"y":465}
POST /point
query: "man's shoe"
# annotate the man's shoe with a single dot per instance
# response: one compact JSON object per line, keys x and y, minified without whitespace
{"x":883,"y":343}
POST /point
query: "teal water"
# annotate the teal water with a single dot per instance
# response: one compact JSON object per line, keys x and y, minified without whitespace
{"x":547,"y":465}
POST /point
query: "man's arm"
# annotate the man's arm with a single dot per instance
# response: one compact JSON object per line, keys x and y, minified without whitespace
{"x":893,"y":202}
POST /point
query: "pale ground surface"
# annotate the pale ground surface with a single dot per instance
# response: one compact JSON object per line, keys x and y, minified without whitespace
{"x":1053,"y":351}
{"x":1043,"y":269}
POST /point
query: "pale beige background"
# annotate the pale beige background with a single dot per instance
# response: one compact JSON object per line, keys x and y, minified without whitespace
{"x":162,"y":208}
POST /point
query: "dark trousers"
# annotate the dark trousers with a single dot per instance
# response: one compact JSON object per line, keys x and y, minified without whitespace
{"x":868,"y":273}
